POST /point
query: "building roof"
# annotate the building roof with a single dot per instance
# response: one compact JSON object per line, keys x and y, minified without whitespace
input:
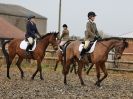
{"x":7,"y":30}
{"x":127,"y":35}
{"x":15,"y":10}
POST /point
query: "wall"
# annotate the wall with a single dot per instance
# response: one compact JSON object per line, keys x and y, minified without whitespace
{"x":20,"y":22}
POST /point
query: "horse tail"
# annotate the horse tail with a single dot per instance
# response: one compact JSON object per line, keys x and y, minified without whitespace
{"x":5,"y":51}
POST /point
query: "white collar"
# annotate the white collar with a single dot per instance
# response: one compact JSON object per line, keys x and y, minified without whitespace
{"x":91,"y":21}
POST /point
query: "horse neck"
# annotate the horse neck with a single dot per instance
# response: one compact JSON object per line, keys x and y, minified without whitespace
{"x":110,"y":44}
{"x":44,"y":43}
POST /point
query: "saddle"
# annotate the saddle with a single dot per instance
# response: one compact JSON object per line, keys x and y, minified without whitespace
{"x":62,"y":47}
{"x":25,"y":43}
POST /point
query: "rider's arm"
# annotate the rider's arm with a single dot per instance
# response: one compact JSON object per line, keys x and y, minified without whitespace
{"x":28,"y":28}
{"x":36,"y":31}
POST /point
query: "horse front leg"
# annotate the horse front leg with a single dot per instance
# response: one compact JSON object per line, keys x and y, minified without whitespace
{"x":56,"y":65}
{"x":19,"y":66}
{"x":98,"y":75}
{"x":103,"y":68}
{"x":89,"y":69}
{"x":80,"y":66}
{"x":39,"y":68}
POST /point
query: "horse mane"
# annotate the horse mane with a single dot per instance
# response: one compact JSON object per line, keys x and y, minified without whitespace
{"x":106,"y":39}
{"x":45,"y":35}
{"x":116,"y":38}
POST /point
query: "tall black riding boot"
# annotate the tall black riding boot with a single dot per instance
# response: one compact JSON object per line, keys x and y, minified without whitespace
{"x":27,"y":49}
{"x":82,"y":53}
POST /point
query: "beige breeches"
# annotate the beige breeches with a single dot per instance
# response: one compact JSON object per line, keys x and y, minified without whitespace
{"x":30,"y":40}
{"x":86,"y":44}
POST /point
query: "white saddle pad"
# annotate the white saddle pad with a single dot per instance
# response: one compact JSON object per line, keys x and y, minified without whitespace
{"x":91,"y":50}
{"x":24,"y":44}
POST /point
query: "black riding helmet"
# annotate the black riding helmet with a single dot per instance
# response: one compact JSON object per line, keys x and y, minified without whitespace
{"x":30,"y":17}
{"x":64,"y":25}
{"x":91,"y":14}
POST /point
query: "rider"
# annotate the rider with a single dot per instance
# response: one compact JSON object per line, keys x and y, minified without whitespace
{"x":65,"y":35}
{"x":31,"y":31}
{"x":91,"y":32}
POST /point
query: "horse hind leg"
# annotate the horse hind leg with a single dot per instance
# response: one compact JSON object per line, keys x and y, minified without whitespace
{"x":66,"y":70}
{"x":9,"y":62}
{"x":80,"y":66}
{"x":19,"y":66}
{"x":73,"y":67}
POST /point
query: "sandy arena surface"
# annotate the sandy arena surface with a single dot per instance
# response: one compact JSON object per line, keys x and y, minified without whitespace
{"x":118,"y":85}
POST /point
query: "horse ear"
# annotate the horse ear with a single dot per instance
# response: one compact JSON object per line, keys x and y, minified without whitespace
{"x":57,"y":32}
{"x":124,"y":39}
{"x":125,"y":42}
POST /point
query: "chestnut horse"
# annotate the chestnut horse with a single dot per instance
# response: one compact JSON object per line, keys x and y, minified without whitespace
{"x":98,"y":56}
{"x":38,"y":54}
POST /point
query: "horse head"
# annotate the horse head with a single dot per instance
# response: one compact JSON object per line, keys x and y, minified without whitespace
{"x":119,"y":48}
{"x":53,"y":40}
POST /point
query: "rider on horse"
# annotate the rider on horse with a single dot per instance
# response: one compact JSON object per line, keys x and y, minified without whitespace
{"x":64,"y":36}
{"x":91,"y":32}
{"x":31,"y":31}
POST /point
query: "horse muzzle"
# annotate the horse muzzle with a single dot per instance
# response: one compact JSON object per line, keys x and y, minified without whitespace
{"x":118,"y":57}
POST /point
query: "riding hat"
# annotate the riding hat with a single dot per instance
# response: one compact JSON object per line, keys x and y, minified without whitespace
{"x":30,"y":17}
{"x":91,"y":14}
{"x":64,"y":25}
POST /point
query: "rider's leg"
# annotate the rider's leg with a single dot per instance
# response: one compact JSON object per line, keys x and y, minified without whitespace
{"x":84,"y":48}
{"x":30,"y":40}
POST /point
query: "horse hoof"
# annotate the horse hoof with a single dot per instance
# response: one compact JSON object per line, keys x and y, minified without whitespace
{"x":97,"y":84}
{"x":87,"y":73}
{"x":42,"y":78}
{"x":8,"y":77}
{"x":22,"y":77}
{"x":82,"y":84}
{"x":32,"y":78}
{"x":65,"y":83}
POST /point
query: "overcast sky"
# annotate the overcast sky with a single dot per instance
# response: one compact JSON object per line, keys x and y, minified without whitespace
{"x":113,"y":16}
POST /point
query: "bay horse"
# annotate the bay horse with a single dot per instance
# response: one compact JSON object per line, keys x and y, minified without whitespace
{"x":98,"y":56}
{"x":38,"y":54}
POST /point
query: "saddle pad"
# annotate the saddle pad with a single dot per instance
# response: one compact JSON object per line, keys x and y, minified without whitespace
{"x":24,"y":44}
{"x":91,"y":49}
